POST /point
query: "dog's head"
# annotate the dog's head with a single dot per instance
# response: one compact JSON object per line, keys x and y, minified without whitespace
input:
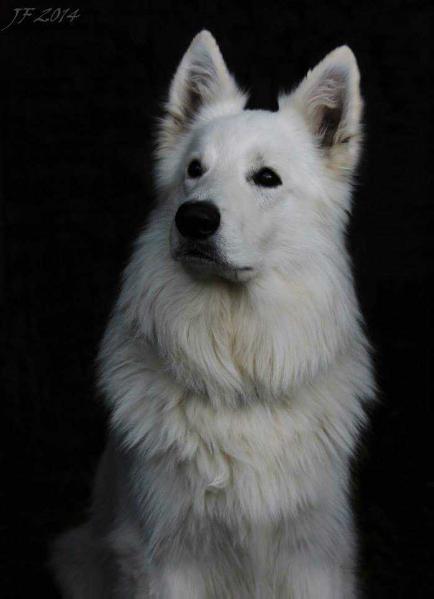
{"x":250,"y":190}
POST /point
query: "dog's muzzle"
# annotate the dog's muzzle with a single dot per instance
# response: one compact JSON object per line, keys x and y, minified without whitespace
{"x":198,"y":246}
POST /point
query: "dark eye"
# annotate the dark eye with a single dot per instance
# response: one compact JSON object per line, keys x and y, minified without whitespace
{"x":195,"y":169}
{"x":266,"y":177}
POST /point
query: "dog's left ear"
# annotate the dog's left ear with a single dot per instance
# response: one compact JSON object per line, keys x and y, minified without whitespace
{"x":330,"y":102}
{"x":202,"y":80}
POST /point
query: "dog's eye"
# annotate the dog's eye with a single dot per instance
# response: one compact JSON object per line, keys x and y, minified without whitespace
{"x":195,"y":169}
{"x":266,"y":177}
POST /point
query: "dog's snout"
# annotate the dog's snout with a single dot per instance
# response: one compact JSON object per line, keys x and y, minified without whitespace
{"x":197,"y":220}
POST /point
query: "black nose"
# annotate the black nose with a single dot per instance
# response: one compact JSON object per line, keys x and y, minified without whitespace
{"x":197,"y":220}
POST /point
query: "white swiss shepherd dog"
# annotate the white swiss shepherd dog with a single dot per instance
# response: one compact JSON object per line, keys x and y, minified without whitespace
{"x":235,"y":366}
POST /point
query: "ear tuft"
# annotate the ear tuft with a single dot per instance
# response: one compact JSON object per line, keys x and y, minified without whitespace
{"x":201,"y":80}
{"x":329,"y":101}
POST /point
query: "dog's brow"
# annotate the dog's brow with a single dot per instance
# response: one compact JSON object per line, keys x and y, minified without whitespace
{"x":258,"y":159}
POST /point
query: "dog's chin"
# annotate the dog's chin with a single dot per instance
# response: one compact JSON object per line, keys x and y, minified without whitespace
{"x":205,"y":265}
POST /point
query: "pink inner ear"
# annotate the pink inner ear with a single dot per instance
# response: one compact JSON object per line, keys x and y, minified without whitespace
{"x":329,"y":124}
{"x":326,"y":104}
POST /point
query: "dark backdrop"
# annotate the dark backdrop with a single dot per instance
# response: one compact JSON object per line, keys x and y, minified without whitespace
{"x":78,"y":104}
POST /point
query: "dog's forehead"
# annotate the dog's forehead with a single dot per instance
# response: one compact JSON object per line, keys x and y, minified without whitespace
{"x":246,"y":131}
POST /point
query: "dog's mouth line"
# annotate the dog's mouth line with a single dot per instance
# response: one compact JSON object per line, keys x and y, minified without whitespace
{"x":195,"y":255}
{"x":200,"y":255}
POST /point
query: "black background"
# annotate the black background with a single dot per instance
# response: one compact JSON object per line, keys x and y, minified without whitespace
{"x":78,"y":105}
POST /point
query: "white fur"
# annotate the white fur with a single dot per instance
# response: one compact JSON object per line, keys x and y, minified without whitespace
{"x":236,"y":396}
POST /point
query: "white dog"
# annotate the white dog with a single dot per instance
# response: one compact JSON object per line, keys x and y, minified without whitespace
{"x":234,"y":365}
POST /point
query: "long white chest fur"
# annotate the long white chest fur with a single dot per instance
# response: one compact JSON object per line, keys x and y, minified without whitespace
{"x":243,"y":488}
{"x":260,"y":461}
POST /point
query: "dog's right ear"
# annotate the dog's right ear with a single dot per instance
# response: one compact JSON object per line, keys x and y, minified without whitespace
{"x":202,"y":80}
{"x":330,"y":103}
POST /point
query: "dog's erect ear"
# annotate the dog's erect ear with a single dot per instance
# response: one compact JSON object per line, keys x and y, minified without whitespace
{"x":201,"y":80}
{"x":329,"y":100}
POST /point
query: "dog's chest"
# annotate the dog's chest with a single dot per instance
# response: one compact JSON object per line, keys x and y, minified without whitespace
{"x":257,"y":463}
